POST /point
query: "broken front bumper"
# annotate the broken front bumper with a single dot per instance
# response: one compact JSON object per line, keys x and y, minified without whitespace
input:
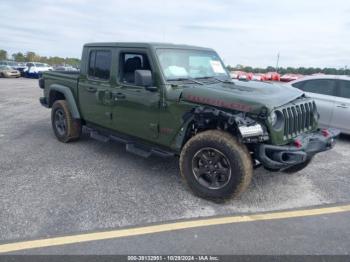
{"x":304,"y":148}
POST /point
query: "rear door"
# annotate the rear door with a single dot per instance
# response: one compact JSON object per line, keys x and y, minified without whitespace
{"x":95,"y":86}
{"x":135,"y":109}
{"x":341,"y":115}
{"x":323,"y":91}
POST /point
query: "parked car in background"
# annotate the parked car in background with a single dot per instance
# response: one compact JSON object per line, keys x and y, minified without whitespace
{"x":65,"y":68}
{"x":20,"y":67}
{"x":8,"y":71}
{"x":332,"y":96}
{"x":272,"y":76}
{"x":12,"y":64}
{"x":290,"y":77}
{"x":259,"y":77}
{"x":241,"y":75}
{"x":234,"y":74}
{"x":34,"y":69}
{"x":245,"y":76}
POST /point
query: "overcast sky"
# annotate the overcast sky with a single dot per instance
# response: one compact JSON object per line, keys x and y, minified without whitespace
{"x":249,"y":32}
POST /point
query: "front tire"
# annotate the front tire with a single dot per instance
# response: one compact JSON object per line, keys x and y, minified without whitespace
{"x":215,"y":165}
{"x":64,"y":126}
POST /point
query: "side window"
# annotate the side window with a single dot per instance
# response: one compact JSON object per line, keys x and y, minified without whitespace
{"x":100,"y":64}
{"x":299,"y":85}
{"x":320,"y":86}
{"x":344,"y":89}
{"x":129,"y":63}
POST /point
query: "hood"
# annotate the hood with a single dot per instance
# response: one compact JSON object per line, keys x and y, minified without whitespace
{"x":242,"y":96}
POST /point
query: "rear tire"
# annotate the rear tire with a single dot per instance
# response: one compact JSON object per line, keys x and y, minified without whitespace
{"x":215,"y":165}
{"x":66,"y":128}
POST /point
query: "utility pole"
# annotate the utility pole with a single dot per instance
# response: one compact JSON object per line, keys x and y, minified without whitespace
{"x":278,"y":59}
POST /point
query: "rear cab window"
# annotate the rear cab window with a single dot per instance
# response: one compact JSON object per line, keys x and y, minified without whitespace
{"x":99,"y":66}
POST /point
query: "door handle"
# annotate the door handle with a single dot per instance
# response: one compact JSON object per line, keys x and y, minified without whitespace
{"x":119,"y":96}
{"x":91,"y":89}
{"x":342,"y":106}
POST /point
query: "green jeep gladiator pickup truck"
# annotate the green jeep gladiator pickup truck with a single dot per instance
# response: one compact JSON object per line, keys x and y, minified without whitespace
{"x":179,"y":100}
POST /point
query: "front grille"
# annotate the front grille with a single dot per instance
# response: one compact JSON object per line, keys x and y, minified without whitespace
{"x":298,"y":118}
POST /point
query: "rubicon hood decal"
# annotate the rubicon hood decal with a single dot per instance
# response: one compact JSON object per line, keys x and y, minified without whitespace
{"x":218,"y":103}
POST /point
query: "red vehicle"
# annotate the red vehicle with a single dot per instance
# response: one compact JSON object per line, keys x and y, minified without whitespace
{"x":290,"y":77}
{"x":259,"y":77}
{"x":272,"y":76}
{"x":242,"y":75}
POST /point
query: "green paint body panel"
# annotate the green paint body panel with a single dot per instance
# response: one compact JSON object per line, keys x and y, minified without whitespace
{"x":158,"y":116}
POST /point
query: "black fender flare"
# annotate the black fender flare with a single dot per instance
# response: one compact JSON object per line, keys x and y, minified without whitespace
{"x":69,"y":98}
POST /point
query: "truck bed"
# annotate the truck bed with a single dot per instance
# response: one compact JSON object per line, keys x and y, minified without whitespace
{"x":69,"y":79}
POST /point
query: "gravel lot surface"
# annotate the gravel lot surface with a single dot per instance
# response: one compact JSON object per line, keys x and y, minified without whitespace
{"x":49,"y":188}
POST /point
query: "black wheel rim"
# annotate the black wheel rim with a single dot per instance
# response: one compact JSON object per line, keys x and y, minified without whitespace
{"x":60,"y":122}
{"x":211,"y":168}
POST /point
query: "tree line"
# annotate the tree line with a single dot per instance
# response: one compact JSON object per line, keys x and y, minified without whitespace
{"x":55,"y":60}
{"x":33,"y":57}
{"x":292,"y":70}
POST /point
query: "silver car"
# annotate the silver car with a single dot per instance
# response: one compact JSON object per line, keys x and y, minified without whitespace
{"x":332,"y":96}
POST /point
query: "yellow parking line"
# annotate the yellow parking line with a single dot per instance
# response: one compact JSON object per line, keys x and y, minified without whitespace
{"x":74,"y":239}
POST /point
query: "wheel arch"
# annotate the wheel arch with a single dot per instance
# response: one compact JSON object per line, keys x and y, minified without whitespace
{"x":203,"y":118}
{"x":60,"y":92}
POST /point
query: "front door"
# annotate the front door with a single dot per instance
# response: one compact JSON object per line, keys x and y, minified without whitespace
{"x":94,"y":88}
{"x":135,"y":109}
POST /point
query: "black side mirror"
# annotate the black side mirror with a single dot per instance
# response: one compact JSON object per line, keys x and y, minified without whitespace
{"x":144,"y":78}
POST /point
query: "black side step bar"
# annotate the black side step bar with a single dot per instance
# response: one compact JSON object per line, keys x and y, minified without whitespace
{"x":99,"y":137}
{"x":131,"y":145}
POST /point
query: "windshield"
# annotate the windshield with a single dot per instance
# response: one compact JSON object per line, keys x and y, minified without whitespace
{"x":40,"y":65}
{"x":190,"y":64}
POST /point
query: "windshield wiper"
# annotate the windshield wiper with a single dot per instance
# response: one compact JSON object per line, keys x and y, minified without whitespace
{"x":218,"y":79}
{"x":186,"y":79}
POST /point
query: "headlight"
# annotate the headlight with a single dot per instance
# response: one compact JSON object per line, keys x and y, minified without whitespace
{"x":276,"y":119}
{"x":273,"y":118}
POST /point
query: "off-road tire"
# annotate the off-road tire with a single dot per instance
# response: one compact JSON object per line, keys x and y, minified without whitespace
{"x":237,"y":155}
{"x":72,"y":127}
{"x":298,"y":167}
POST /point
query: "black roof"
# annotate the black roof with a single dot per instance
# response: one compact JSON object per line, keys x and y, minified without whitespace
{"x":144,"y":45}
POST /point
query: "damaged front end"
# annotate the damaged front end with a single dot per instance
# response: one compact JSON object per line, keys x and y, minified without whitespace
{"x":245,"y":128}
{"x":304,"y":147}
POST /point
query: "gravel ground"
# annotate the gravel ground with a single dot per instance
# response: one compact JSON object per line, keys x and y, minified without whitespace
{"x":49,"y":188}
